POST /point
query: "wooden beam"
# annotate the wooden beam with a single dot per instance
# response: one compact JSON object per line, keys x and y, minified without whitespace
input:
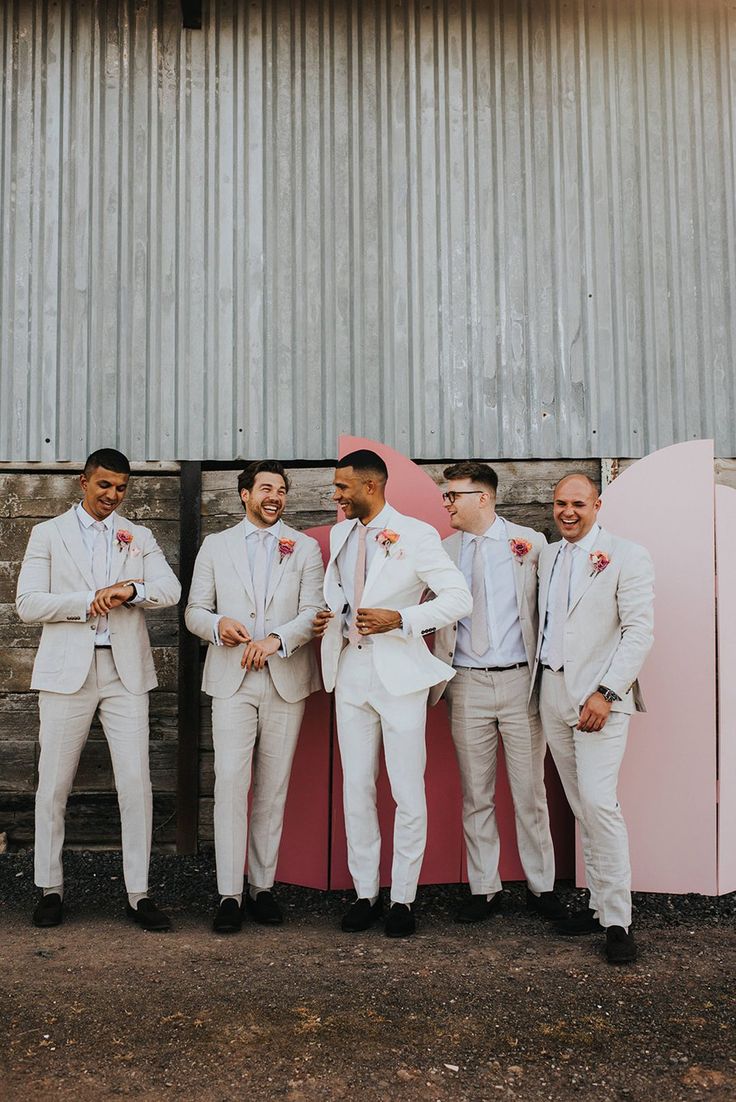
{"x":187,"y":791}
{"x":191,"y":14}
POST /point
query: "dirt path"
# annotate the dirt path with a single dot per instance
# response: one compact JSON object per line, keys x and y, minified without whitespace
{"x":97,"y":1009}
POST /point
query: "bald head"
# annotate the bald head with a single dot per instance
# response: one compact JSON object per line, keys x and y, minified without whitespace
{"x":576,"y":504}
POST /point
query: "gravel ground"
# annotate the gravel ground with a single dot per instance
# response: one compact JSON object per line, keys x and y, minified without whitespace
{"x":96,"y":1008}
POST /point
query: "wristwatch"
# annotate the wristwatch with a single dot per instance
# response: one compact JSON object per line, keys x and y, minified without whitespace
{"x":608,"y":694}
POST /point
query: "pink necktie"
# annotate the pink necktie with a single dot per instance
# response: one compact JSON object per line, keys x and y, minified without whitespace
{"x":556,"y":652}
{"x":260,"y":563}
{"x":99,"y":566}
{"x":479,"y":635}
{"x":359,"y":581}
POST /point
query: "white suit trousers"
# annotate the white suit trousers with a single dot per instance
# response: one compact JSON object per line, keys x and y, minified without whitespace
{"x":368,"y":714}
{"x":65,"y":723}
{"x":588,"y":765}
{"x":483,"y":704}
{"x":253,"y":731}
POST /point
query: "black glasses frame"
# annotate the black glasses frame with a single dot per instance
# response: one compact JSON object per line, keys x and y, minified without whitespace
{"x":450,"y":495}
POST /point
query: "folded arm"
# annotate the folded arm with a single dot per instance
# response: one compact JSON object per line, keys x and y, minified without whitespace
{"x":451,"y":601}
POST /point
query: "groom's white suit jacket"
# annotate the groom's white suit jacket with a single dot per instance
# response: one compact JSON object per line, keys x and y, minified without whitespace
{"x":397,"y":580}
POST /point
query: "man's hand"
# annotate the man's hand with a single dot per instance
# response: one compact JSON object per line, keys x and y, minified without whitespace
{"x":232,"y":633}
{"x":320,"y":622}
{"x":112,"y":596}
{"x":257,"y":652}
{"x":594,"y":713}
{"x":374,"y":621}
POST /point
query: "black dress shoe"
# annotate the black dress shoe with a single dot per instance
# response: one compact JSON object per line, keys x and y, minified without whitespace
{"x":580,"y":922}
{"x":477,"y":908}
{"x":49,"y":911}
{"x":620,"y":946}
{"x":147,"y":915}
{"x":264,"y":909}
{"x":361,"y":915}
{"x":546,"y":905}
{"x":228,"y":917}
{"x":400,"y":921}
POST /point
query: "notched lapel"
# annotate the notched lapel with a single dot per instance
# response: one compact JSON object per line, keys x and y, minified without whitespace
{"x":544,"y":579}
{"x":120,"y":553}
{"x":589,"y":576}
{"x":68,"y":526}
{"x":280,"y":564}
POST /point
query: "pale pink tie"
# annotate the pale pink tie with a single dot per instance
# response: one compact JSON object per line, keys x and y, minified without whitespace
{"x":260,"y":581}
{"x":99,"y":566}
{"x":359,"y":580}
{"x":480,"y":640}
{"x":556,"y":652}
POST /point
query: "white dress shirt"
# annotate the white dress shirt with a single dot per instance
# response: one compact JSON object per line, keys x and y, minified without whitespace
{"x":89,"y":534}
{"x":506,"y":642}
{"x":580,"y":561}
{"x":348,"y":557}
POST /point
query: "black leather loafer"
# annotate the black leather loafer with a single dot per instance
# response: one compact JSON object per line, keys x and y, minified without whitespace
{"x":580,"y":922}
{"x":477,"y":908}
{"x":228,"y":917}
{"x":620,"y":946}
{"x":147,"y":915}
{"x":264,"y":909}
{"x":546,"y":905}
{"x":361,"y":915}
{"x":49,"y":911}
{"x":400,"y":921}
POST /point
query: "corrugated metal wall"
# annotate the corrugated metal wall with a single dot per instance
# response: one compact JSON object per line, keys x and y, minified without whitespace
{"x":491,"y":228}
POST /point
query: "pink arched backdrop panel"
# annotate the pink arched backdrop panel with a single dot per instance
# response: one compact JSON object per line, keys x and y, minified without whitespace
{"x":667,"y":787}
{"x":313,"y":849}
{"x":726,"y":580}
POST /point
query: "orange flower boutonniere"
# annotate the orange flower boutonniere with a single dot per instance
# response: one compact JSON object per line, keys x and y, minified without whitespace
{"x":286,"y":548}
{"x":599,"y":560}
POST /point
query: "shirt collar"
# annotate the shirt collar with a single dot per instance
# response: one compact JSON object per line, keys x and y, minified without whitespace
{"x":274,"y":530}
{"x":497,"y":531}
{"x":87,"y":520}
{"x":381,"y":521}
{"x":586,"y":543}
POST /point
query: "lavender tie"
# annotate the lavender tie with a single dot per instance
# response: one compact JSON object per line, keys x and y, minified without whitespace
{"x":99,"y":567}
{"x":260,"y":581}
{"x":556,"y":652}
{"x":480,"y":640}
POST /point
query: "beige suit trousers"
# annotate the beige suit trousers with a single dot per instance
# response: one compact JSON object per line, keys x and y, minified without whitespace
{"x":65,"y":723}
{"x":254,"y":732}
{"x":588,"y":764}
{"x":483,"y":705}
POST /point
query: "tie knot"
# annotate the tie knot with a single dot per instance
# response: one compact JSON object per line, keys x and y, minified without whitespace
{"x":98,"y":526}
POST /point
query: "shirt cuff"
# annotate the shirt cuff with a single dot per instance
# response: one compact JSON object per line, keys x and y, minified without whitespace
{"x":216,"y":632}
{"x":405,"y":628}
{"x":282,"y":649}
{"x":140,"y":593}
{"x":90,"y":599}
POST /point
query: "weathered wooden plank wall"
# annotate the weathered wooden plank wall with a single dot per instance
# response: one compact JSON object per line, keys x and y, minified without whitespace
{"x":25,"y":499}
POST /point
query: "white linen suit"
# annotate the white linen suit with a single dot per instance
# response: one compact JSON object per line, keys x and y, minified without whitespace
{"x":256,"y":714}
{"x":75,"y":679}
{"x":483,"y":704}
{"x":607,"y":636}
{"x":381,"y":687}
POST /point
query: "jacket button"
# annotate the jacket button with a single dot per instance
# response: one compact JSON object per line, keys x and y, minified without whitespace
{"x":252,"y":615}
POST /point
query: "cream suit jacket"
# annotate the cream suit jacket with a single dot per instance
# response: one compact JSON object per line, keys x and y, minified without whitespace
{"x":610,"y":622}
{"x":222,"y":586}
{"x":525,"y":578}
{"x":397,"y":580}
{"x":53,"y":587}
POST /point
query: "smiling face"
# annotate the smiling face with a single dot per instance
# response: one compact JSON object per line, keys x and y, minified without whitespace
{"x":575,"y":507}
{"x":103,"y":491}
{"x":473,"y":509}
{"x":357,"y":494}
{"x":266,"y":501}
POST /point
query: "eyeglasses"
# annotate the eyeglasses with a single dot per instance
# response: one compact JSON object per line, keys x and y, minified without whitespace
{"x":450,"y":495}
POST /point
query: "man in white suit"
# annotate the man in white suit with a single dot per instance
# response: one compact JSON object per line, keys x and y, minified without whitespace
{"x":255,"y":590}
{"x":492,"y":652}
{"x":87,"y":576}
{"x":596,"y":603}
{"x":374,"y":656}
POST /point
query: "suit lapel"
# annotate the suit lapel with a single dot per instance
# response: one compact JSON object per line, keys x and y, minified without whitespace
{"x":544,"y":579}
{"x":454,"y":547}
{"x":380,"y":557}
{"x":603,"y":543}
{"x":68,"y":525}
{"x":239,"y":555}
{"x":119,"y":553}
{"x":520,"y":565}
{"x":279,"y":563}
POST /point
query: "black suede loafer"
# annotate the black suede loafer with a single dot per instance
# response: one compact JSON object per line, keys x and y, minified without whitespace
{"x":361,"y":915}
{"x":400,"y":921}
{"x":620,"y":946}
{"x":546,"y":905}
{"x":147,"y":915}
{"x":228,"y":917}
{"x":264,"y":909}
{"x":477,"y":908}
{"x":580,"y":922}
{"x":49,"y":911}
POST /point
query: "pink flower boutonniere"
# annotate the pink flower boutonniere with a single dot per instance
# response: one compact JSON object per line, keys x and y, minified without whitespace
{"x":520,"y":549}
{"x":387,"y":539}
{"x":599,"y":560}
{"x":286,"y":548}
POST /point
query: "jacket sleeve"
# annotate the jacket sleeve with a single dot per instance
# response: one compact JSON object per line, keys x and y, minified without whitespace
{"x":201,"y":614}
{"x":635,"y":598}
{"x":298,"y":631}
{"x":34,"y":601}
{"x":451,"y":601}
{"x":162,"y":585}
